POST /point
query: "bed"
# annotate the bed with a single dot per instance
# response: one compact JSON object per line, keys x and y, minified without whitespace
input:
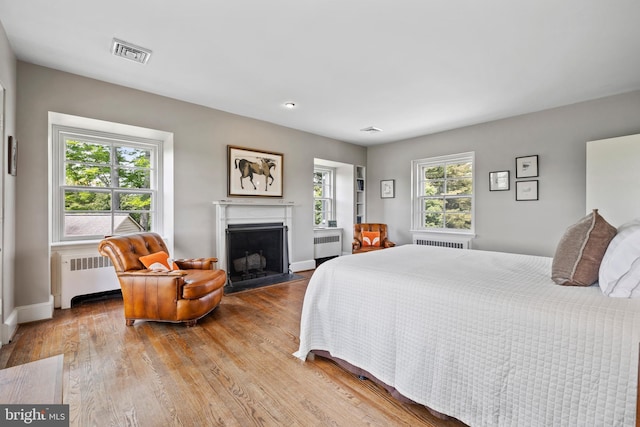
{"x":485,"y":337}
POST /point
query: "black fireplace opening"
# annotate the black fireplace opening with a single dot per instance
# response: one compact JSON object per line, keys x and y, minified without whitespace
{"x":256,"y":255}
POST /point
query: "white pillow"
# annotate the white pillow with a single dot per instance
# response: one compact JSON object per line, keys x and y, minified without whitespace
{"x":158,"y":266}
{"x":619,"y":274}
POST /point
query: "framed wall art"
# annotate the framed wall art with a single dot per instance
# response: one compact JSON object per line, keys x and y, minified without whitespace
{"x":527,"y":190}
{"x":387,"y":188}
{"x":527,"y":166}
{"x":254,"y":173}
{"x":12,"y":156}
{"x":499,"y":181}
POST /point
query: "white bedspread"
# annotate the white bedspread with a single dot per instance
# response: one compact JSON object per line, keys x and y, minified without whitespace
{"x":485,"y":337}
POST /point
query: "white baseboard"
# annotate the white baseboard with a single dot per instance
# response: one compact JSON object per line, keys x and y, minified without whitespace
{"x":303,"y":265}
{"x":25,"y":314}
{"x":33,"y":312}
{"x":9,"y":327}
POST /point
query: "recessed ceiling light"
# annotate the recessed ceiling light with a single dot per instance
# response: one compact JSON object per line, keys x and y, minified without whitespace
{"x":371,"y":129}
{"x":289,"y":105}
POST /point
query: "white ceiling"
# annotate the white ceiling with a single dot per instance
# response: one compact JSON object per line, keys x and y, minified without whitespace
{"x":409,"y":67}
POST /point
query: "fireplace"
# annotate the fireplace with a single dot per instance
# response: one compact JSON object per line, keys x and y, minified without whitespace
{"x":251,"y":214}
{"x":256,"y":253}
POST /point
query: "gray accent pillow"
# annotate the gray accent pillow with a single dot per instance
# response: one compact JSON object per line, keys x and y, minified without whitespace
{"x":580,"y":251}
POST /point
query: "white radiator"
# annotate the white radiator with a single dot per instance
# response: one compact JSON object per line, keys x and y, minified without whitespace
{"x":443,"y":242}
{"x":85,"y":274}
{"x":327,"y":243}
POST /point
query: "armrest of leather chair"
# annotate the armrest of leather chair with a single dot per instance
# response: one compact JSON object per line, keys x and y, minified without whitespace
{"x":146,"y":287}
{"x":388,"y":244}
{"x":356,"y":245}
{"x":152,"y":273}
{"x":197,"y":263}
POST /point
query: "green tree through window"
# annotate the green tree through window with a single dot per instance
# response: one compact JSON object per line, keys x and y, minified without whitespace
{"x":444,"y":193}
{"x":107,"y":179}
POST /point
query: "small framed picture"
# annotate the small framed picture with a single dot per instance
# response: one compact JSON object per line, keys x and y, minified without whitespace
{"x":527,"y":190}
{"x":499,"y":181}
{"x":333,"y":223}
{"x":12,"y":156}
{"x":387,"y":188}
{"x":526,"y":167}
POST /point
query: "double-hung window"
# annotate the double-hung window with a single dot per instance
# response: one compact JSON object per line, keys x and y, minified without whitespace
{"x":443,"y":194}
{"x":324,"y":196}
{"x":106,"y":184}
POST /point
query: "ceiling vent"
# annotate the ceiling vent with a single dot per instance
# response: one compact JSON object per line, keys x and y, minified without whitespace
{"x":130,"y":51}
{"x":371,"y":129}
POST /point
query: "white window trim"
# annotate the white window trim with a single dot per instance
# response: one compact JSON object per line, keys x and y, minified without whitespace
{"x":332,"y":171}
{"x":415,"y":211}
{"x":59,"y":122}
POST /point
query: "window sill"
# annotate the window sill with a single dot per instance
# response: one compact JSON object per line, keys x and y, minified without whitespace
{"x":465,"y":233}
{"x":76,"y":243}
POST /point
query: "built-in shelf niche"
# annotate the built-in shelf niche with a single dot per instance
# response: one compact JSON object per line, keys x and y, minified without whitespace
{"x":360,"y":204}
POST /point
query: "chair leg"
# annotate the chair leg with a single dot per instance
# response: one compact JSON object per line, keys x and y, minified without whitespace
{"x":130,"y":322}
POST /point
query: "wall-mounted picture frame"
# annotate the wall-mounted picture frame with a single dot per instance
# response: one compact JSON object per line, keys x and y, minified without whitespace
{"x":526,"y":167}
{"x":527,"y":190}
{"x":499,"y":181}
{"x":12,"y":156}
{"x":387,"y":188}
{"x":254,"y":173}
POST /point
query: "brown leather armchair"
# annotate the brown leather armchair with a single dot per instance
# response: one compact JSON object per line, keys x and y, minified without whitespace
{"x":183,"y":295}
{"x":358,"y":247}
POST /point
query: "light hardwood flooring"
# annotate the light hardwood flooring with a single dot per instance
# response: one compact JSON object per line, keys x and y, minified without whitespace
{"x":234,"y":368}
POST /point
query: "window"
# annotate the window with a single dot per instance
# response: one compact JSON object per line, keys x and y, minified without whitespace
{"x":443,"y":193}
{"x":105,"y":184}
{"x":323,"y":193}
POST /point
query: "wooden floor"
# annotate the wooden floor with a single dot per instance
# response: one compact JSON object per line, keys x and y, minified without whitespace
{"x":235,"y":368}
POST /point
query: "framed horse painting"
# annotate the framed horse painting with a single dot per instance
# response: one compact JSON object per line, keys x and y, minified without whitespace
{"x":254,"y":173}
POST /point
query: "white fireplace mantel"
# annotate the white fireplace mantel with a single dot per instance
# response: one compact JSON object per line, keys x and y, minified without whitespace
{"x":249,"y":211}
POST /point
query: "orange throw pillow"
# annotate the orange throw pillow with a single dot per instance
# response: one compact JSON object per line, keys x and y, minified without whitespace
{"x":157,"y":258}
{"x":370,"y":238}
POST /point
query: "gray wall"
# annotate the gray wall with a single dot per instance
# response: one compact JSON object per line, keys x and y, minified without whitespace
{"x":201,"y":136}
{"x":7,"y":182}
{"x":558,"y":136}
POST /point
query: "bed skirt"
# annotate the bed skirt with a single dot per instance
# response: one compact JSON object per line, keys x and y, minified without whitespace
{"x":362,"y":373}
